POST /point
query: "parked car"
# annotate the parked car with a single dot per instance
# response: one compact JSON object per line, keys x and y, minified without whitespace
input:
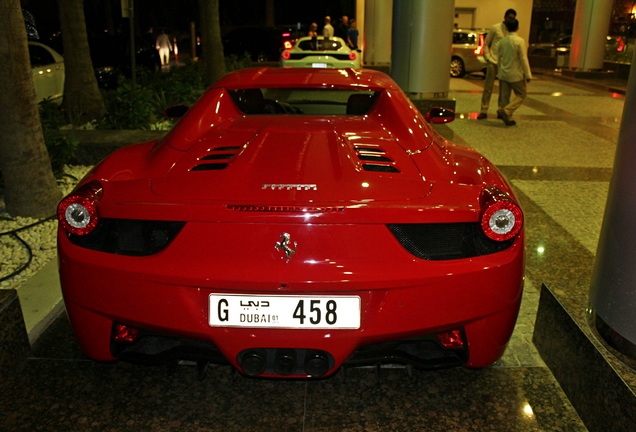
{"x":295,"y":221}
{"x":561,"y":46}
{"x":47,"y":67}
{"x":467,"y":55}
{"x":320,"y":52}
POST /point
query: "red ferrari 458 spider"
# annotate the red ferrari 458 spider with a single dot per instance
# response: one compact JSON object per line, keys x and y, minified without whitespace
{"x":295,"y":221}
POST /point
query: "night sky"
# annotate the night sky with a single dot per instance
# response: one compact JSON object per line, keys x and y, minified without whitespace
{"x":176,"y":15}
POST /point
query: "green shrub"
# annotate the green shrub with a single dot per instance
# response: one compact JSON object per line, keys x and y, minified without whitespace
{"x":130,"y":106}
{"x":142,"y":106}
{"x":235,"y":62}
{"x":61,"y":145}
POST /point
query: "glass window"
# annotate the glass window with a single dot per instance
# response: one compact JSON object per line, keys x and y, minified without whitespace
{"x":464,"y":38}
{"x":320,"y":45}
{"x":40,"y":56}
{"x":304,"y":101}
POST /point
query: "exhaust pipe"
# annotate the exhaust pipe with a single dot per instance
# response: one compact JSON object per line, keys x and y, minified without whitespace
{"x":285,"y":363}
{"x":316,"y":363}
{"x":254,"y":362}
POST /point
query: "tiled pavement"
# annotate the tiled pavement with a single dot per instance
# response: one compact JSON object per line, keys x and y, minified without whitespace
{"x":558,"y":158}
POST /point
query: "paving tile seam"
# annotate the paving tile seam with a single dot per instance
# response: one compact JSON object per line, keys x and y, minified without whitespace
{"x":571,"y":256}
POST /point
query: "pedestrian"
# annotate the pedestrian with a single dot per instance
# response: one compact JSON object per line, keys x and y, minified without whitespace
{"x":342,"y":30}
{"x":164,"y":47}
{"x":327,"y":30}
{"x":352,"y":34}
{"x":313,"y":30}
{"x":514,"y":71}
{"x":495,"y":34}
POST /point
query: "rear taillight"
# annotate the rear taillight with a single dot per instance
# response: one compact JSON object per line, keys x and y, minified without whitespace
{"x":286,"y":55}
{"x":287,"y":45}
{"x":352,"y":55}
{"x":501,"y":217}
{"x":480,"y":49}
{"x":77,"y":212}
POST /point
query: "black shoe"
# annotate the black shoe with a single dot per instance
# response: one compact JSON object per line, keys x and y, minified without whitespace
{"x":510,"y":122}
{"x":501,"y":114}
{"x":482,"y":116}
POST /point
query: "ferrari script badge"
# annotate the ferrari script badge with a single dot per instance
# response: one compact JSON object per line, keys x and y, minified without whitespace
{"x":284,"y":245}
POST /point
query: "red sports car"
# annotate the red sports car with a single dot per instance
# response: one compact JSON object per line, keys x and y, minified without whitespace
{"x":295,"y":221}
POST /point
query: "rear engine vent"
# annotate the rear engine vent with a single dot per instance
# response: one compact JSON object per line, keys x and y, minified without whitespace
{"x":129,"y":237}
{"x":373,"y":158}
{"x":217,"y":159}
{"x":446,"y":241}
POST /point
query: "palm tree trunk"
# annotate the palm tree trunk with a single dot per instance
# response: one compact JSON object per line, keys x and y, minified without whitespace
{"x":211,"y":44}
{"x":82,"y":98}
{"x":30,"y":187}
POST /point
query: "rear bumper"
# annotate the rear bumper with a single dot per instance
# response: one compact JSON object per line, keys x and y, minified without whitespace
{"x":405,"y":302}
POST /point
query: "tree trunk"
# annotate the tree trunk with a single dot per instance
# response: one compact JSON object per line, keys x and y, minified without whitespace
{"x":82,"y":98}
{"x":211,"y":44}
{"x":30,"y":187}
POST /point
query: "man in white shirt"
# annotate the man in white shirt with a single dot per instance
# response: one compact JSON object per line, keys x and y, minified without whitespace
{"x":327,"y":30}
{"x":495,"y":34}
{"x":514,"y":72}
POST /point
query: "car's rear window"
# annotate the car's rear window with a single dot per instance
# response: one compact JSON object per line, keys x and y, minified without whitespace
{"x":303,"y":101}
{"x":464,"y":38}
{"x":320,"y":45}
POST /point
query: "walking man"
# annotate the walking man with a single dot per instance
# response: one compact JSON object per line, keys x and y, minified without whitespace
{"x":495,"y":34}
{"x":514,"y":72}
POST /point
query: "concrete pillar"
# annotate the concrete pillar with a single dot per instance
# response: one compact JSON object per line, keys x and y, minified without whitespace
{"x":591,"y":24}
{"x":360,"y":15}
{"x":422,"y":40}
{"x":613,"y":289}
{"x":377,"y":34}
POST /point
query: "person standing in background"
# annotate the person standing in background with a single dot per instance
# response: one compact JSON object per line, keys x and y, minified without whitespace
{"x":313,"y":30}
{"x":514,"y":72}
{"x":352,"y":35}
{"x":495,"y":34}
{"x":164,"y":47}
{"x":327,"y":30}
{"x":342,"y":29}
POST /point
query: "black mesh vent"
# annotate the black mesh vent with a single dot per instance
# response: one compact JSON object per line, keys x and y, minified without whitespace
{"x":374,"y":158}
{"x":210,"y":167}
{"x":217,"y":159}
{"x":129,"y":237}
{"x":446,"y":241}
{"x":380,"y":168}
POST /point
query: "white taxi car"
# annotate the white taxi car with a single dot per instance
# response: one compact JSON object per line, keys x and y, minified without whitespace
{"x":47,"y":66}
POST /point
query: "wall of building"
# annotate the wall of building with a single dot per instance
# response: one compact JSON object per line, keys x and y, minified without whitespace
{"x":485,"y":13}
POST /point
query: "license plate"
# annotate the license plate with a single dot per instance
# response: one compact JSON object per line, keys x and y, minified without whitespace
{"x":319,"y":65}
{"x":318,"y":312}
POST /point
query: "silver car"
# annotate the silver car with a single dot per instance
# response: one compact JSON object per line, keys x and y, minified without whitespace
{"x":467,"y":54}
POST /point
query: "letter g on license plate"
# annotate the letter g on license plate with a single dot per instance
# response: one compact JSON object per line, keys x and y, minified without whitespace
{"x":319,"y":312}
